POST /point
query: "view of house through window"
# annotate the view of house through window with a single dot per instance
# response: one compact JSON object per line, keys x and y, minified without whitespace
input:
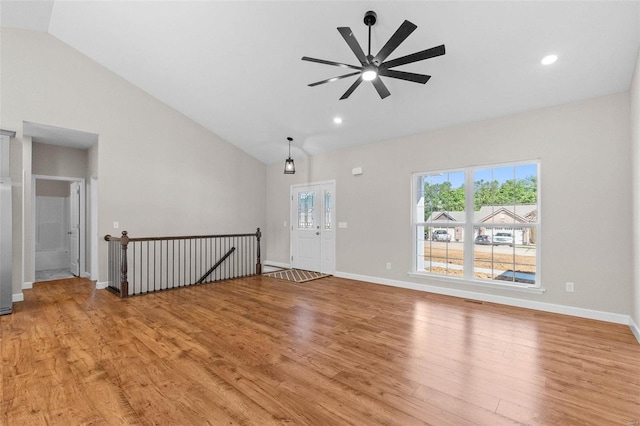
{"x":479,"y":223}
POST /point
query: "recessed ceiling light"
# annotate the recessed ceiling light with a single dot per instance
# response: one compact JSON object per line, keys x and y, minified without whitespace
{"x":549,"y":59}
{"x":337,"y":120}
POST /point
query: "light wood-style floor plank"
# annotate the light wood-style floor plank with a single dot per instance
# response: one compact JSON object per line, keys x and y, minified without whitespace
{"x":262,"y":351}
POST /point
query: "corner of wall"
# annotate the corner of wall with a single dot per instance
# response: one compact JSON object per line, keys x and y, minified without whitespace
{"x":635,"y":158}
{"x":634,"y":329}
{"x":101,"y":285}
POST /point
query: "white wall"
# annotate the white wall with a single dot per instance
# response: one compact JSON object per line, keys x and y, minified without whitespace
{"x":159,"y":172}
{"x":635,"y":143}
{"x":585,"y":169}
{"x":54,"y":160}
{"x":51,"y":238}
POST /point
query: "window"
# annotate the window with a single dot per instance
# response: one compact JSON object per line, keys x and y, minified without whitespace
{"x":441,"y":203}
{"x":479,"y":223}
{"x":305,"y":210}
{"x":327,"y":209}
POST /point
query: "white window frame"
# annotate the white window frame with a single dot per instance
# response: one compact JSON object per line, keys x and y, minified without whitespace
{"x":468,"y":226}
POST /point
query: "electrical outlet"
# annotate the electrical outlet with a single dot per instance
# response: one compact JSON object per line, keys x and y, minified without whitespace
{"x":570,"y":287}
{"x":116,"y":225}
{"x":388,"y":265}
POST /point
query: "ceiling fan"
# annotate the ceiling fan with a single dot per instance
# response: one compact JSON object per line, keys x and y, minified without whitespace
{"x":372,"y":67}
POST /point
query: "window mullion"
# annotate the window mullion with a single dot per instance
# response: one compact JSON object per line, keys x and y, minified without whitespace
{"x":468,"y":225}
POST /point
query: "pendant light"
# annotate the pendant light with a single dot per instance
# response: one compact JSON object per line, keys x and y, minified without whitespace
{"x":289,"y":167}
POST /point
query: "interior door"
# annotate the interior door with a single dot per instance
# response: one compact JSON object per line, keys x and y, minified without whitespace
{"x":312,"y":227}
{"x":74,"y":231}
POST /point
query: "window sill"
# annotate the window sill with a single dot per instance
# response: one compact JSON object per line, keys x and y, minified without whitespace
{"x":476,"y":284}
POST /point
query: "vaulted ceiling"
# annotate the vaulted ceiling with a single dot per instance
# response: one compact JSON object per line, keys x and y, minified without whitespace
{"x":236,"y":68}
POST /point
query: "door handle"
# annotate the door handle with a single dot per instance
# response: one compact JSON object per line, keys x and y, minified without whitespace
{"x":317,"y":233}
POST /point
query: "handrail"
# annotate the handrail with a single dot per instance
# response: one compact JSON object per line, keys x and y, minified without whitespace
{"x":218,"y":263}
{"x":159,"y":263}
{"x":187,"y":237}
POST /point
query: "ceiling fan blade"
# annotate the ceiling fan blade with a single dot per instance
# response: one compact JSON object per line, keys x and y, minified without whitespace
{"x":329,"y":80}
{"x":398,"y":37}
{"x":351,"y":89}
{"x":380,"y":87}
{"x":337,"y":64}
{"x":348,"y":36}
{"x":415,"y":57}
{"x":403,"y":75}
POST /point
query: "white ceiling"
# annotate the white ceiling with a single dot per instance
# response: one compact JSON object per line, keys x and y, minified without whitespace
{"x":235,"y":67}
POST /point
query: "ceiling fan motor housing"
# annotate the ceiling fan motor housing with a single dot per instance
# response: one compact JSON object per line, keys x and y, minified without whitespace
{"x":370,"y":18}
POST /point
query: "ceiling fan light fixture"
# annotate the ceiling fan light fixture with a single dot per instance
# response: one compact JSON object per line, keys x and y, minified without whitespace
{"x":369,"y":75}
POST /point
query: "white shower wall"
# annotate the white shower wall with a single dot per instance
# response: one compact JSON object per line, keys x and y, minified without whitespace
{"x":52,"y":240}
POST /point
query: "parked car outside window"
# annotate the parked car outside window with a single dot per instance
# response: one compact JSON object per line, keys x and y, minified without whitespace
{"x":483,"y":239}
{"x":503,"y":238}
{"x":440,"y":235}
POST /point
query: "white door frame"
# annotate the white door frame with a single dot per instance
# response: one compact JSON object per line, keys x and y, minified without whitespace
{"x":327,"y":269}
{"x":74,"y":202}
{"x":83,"y":207}
{"x":93,"y":233}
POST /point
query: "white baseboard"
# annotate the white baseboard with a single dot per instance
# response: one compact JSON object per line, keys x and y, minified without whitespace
{"x":102,"y":285}
{"x":510,"y":301}
{"x":278,"y":264}
{"x":634,"y":329}
{"x":27,"y":285}
{"x":17,"y":297}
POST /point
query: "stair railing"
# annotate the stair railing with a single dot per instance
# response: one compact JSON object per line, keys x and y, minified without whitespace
{"x":149,"y":264}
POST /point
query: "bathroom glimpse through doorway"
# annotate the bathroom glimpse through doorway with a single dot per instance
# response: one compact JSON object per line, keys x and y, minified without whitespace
{"x":58,"y":227}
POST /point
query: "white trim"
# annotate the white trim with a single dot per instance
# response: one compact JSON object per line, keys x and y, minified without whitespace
{"x":102,"y":285}
{"x":27,"y":285}
{"x":510,"y":301}
{"x":634,"y":329}
{"x":17,"y":297}
{"x":322,"y":182}
{"x":278,"y":264}
{"x":477,"y":283}
{"x":93,"y":232}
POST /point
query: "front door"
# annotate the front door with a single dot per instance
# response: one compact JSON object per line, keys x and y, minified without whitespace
{"x":312,"y":227}
{"x":74,"y":232}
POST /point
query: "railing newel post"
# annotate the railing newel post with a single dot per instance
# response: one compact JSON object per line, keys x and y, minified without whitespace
{"x":124,"y":283}
{"x":258,"y":262}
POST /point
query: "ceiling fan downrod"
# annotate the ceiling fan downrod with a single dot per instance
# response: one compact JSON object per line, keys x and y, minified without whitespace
{"x":369,"y":20}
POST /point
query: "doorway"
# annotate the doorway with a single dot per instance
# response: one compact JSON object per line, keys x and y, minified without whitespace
{"x":313,"y":213}
{"x":58,"y":227}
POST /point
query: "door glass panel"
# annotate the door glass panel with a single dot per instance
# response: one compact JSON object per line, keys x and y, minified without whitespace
{"x":305,"y":210}
{"x":327,"y":210}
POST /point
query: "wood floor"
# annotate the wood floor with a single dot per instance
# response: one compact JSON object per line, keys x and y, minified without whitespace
{"x":261,"y":351}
